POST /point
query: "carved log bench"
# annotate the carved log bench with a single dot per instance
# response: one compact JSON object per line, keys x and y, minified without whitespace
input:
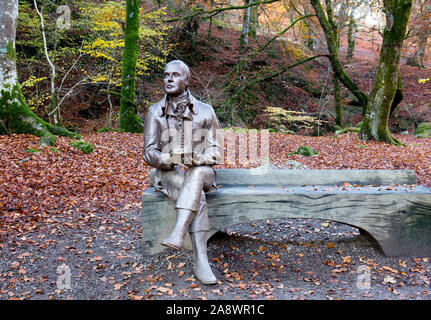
{"x":387,"y":204}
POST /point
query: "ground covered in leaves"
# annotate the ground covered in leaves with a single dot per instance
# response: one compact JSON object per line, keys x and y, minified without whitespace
{"x":63,"y":210}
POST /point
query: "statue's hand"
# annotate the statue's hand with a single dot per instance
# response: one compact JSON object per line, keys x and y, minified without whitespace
{"x":197,"y":160}
{"x":167,"y":160}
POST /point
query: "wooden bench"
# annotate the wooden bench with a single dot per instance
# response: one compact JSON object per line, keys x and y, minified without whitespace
{"x":388,"y":205}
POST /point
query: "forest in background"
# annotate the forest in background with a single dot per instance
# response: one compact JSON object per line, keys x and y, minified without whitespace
{"x":240,"y":59}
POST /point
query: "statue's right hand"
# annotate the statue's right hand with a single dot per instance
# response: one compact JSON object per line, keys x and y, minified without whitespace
{"x":166,"y":159}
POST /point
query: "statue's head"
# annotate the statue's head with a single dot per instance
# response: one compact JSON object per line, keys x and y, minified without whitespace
{"x":176,"y":77}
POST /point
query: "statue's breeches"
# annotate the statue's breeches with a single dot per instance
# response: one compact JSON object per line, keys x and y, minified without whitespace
{"x":187,"y":188}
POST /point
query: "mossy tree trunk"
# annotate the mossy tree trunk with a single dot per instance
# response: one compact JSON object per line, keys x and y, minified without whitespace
{"x":399,"y":95}
{"x":335,"y":81}
{"x":15,"y":115}
{"x":386,"y":82}
{"x":254,"y":21}
{"x":129,"y":121}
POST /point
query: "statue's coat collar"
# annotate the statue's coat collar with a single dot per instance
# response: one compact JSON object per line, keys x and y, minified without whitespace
{"x":188,"y":113}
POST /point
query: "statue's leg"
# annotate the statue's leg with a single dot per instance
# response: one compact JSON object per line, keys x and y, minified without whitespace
{"x":199,"y":236}
{"x":199,"y":232}
{"x":178,"y":234}
{"x":195,"y":181}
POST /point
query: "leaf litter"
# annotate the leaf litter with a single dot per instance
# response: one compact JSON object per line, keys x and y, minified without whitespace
{"x":64,"y":207}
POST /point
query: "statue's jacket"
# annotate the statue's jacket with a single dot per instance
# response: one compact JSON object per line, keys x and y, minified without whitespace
{"x":196,"y":132}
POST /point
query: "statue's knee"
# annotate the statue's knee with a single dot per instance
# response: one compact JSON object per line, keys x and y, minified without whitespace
{"x":201,"y":172}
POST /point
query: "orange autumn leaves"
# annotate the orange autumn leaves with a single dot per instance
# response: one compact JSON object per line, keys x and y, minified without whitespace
{"x":37,"y":186}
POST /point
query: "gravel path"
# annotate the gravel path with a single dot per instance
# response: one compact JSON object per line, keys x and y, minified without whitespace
{"x":270,"y":259}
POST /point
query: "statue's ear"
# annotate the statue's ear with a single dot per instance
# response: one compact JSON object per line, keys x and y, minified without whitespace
{"x":186,"y":81}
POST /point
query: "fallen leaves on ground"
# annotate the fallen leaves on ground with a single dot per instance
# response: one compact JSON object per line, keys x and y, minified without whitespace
{"x":62,"y":180}
{"x":37,"y":189}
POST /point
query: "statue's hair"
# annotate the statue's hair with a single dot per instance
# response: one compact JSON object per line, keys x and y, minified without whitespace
{"x":185,"y":67}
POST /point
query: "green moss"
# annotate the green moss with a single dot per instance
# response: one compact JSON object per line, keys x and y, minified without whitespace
{"x":104,"y":129}
{"x":10,"y":53}
{"x":85,"y":147}
{"x":31,"y":150}
{"x":47,"y":140}
{"x":305,"y":151}
{"x":17,"y":117}
{"x":345,"y":130}
{"x":423,"y":130}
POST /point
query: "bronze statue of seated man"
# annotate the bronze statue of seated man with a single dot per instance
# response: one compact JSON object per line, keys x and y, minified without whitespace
{"x":180,"y":142}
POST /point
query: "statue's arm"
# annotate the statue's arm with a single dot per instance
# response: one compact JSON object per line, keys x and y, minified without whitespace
{"x":213,"y":153}
{"x":152,"y":150}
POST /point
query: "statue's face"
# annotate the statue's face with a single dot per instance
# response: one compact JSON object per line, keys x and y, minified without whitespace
{"x":174,"y":79}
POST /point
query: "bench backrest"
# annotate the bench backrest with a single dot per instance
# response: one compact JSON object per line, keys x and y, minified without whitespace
{"x":299,"y":177}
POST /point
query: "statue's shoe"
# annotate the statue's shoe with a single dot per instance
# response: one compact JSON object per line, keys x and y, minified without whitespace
{"x":173,"y":243}
{"x":204,"y":273}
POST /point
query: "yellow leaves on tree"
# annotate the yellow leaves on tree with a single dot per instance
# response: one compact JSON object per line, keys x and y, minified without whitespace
{"x":106,"y":41}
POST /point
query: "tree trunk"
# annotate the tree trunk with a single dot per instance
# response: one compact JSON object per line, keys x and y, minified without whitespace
{"x":335,"y":80}
{"x":337,"y":99}
{"x":417,"y":59}
{"x":129,"y":121}
{"x":15,"y":115}
{"x":351,"y":38}
{"x":243,"y":40}
{"x":399,"y":95}
{"x":309,"y":43}
{"x":254,"y":21}
{"x":189,"y":33}
{"x":375,"y":124}
{"x":55,"y":110}
{"x":332,"y":43}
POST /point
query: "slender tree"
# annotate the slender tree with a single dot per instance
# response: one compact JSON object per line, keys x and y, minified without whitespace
{"x":417,"y":58}
{"x":129,"y":121}
{"x":15,"y":115}
{"x":243,"y":40}
{"x":351,"y":38}
{"x":420,"y":27}
{"x":254,"y":21}
{"x":335,"y":81}
{"x":332,"y":45}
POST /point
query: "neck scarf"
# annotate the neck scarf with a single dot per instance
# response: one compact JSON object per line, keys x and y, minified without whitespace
{"x":179,"y":104}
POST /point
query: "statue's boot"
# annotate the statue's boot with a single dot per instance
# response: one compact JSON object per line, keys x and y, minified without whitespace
{"x":178,"y":234}
{"x":202,"y":267}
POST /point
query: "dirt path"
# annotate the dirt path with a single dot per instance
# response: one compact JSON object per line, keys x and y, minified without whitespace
{"x":277,"y":259}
